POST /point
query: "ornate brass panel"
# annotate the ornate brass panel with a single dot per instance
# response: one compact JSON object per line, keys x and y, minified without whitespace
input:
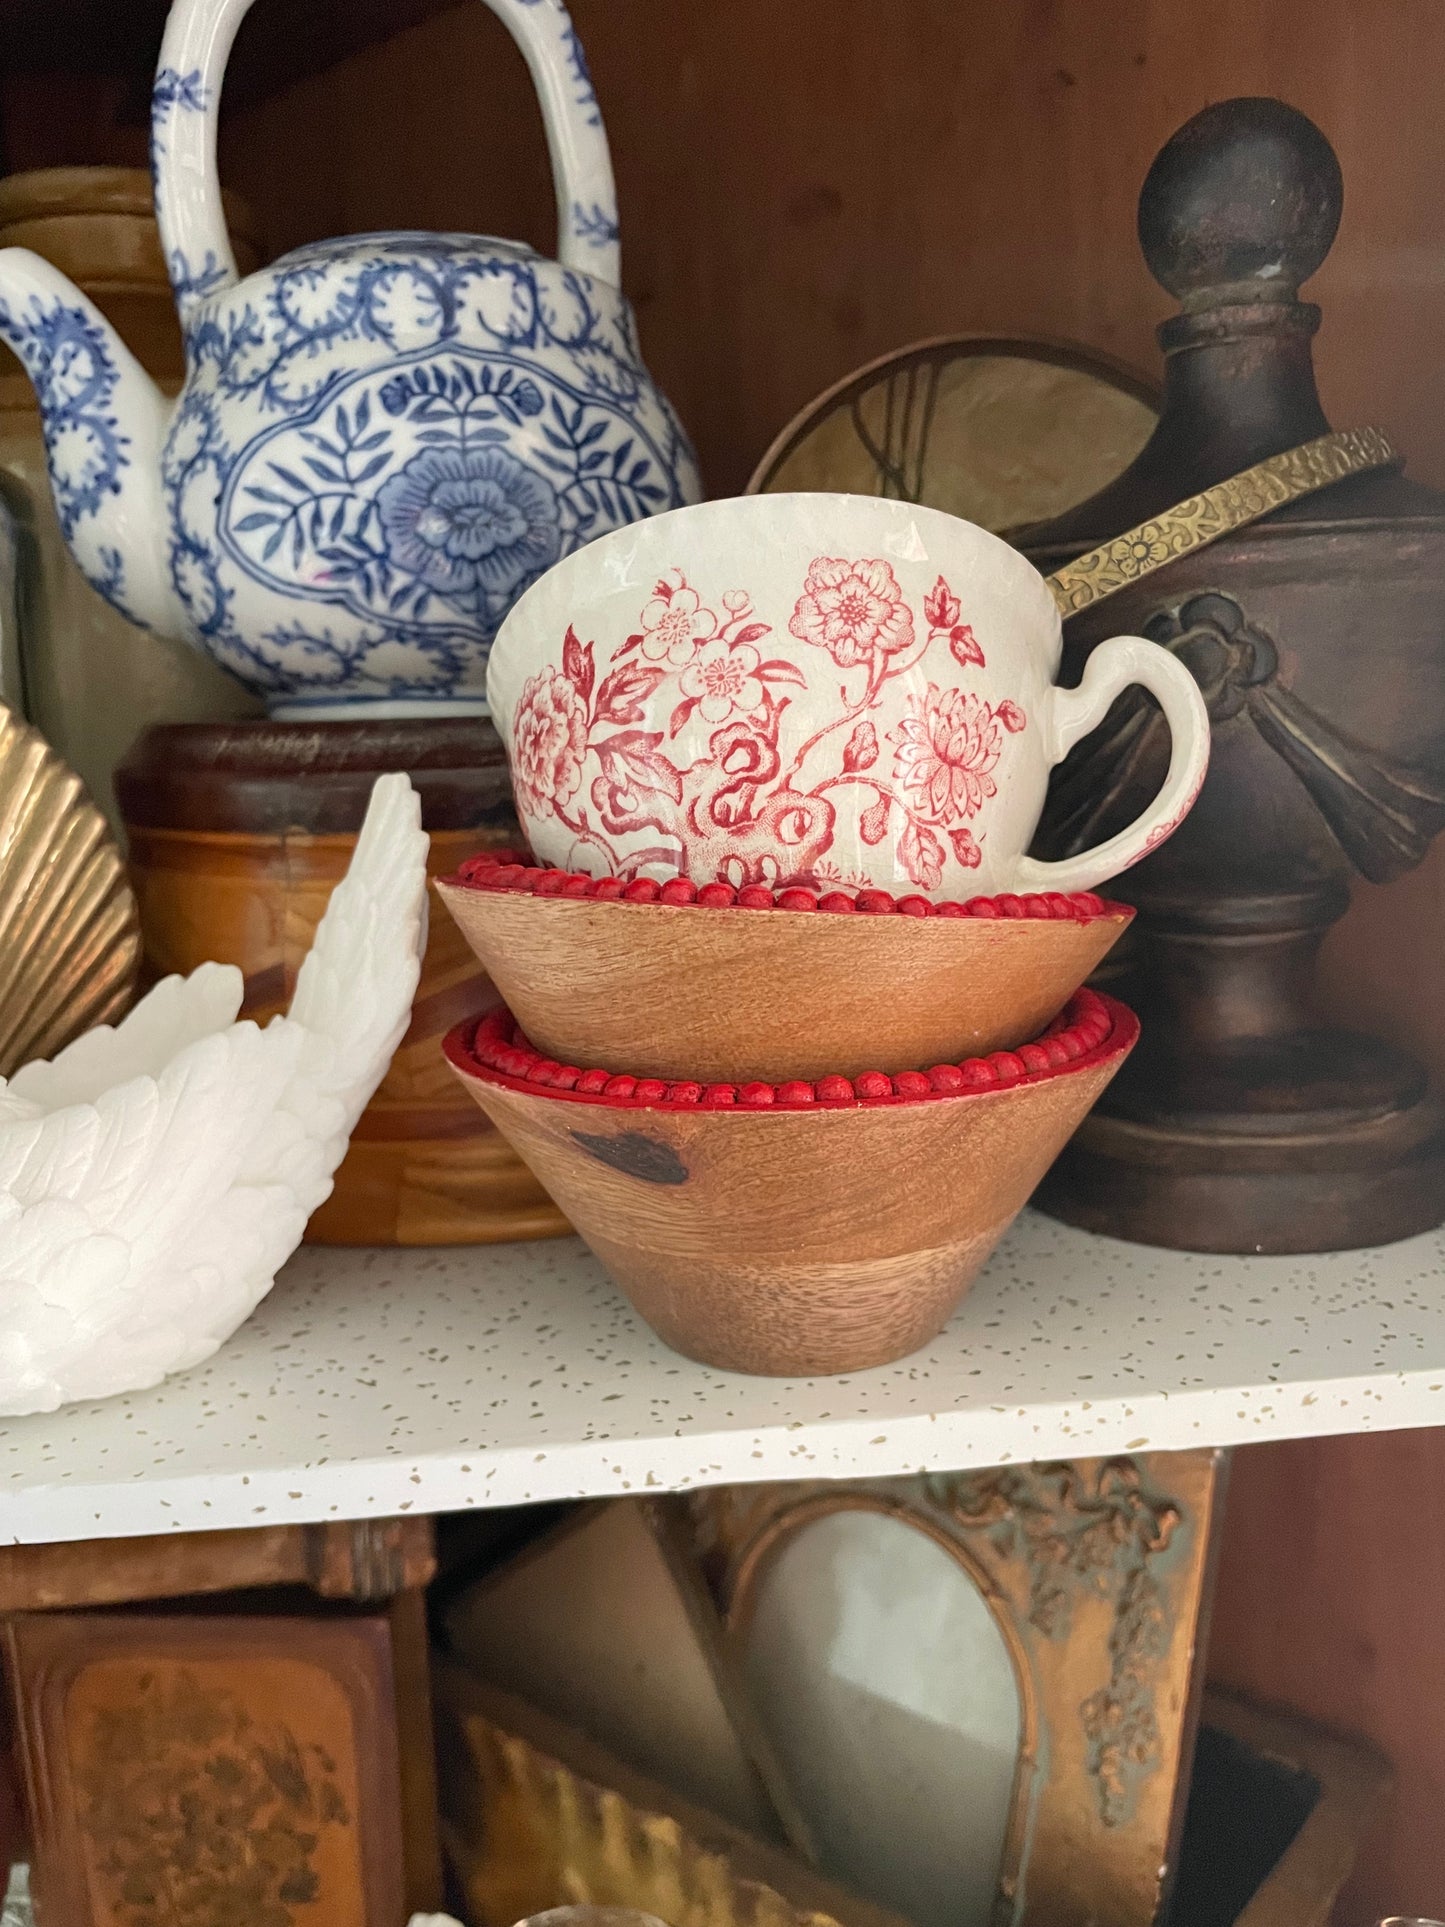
{"x":1097,"y":1573}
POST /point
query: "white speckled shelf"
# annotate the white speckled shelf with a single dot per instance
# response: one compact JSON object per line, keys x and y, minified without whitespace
{"x":377,"y":1382}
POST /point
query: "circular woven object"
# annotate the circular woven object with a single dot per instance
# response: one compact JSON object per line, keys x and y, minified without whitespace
{"x":1003,"y":432}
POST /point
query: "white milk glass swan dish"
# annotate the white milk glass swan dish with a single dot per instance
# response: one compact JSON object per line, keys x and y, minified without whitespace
{"x":155,"y":1176}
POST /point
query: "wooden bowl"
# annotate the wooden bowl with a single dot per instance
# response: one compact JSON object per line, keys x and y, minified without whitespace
{"x":801,"y":1228}
{"x":773,"y":986}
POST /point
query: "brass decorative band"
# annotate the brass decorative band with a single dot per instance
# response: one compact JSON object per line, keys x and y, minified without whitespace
{"x":1217,"y":512}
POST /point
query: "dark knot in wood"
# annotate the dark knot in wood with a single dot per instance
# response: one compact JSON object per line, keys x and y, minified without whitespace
{"x":635,"y":1154}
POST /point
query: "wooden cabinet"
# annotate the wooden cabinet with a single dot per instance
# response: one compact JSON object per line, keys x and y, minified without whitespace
{"x":805,"y":186}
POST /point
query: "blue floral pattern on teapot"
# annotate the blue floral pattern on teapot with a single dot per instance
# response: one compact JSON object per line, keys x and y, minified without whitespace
{"x":381,"y":442}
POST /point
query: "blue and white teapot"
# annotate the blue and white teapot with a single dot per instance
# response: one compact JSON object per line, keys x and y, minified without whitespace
{"x":381,"y":441}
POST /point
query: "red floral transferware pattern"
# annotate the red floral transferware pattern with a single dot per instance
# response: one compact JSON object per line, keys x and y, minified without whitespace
{"x":735,"y":813}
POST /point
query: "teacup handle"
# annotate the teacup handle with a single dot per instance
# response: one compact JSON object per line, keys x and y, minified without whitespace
{"x":185,"y":109}
{"x":1071,"y":713}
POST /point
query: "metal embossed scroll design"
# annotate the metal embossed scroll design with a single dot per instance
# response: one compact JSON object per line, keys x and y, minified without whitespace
{"x":1218,"y":511}
{"x":1100,"y":1533}
{"x":196,"y":1811}
{"x":1383,"y":814}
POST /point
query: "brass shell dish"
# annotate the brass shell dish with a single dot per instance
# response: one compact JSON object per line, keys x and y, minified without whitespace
{"x":70,"y":943}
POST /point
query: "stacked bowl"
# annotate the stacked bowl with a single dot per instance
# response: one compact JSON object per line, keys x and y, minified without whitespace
{"x":793,"y":1025}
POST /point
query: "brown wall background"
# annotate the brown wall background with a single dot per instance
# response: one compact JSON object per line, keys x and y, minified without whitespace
{"x":807,"y":183}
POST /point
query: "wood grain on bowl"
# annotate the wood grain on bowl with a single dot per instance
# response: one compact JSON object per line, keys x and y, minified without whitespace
{"x":797,"y":1238}
{"x":678,"y":990}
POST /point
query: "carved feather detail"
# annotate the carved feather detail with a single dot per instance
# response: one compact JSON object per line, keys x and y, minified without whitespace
{"x":155,"y":1176}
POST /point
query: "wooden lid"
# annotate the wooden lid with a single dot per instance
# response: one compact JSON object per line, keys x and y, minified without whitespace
{"x":90,"y":217}
{"x":266,"y":777}
{"x":98,"y":225}
{"x":74,"y":190}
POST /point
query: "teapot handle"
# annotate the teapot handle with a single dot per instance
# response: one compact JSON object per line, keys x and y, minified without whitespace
{"x":185,"y":107}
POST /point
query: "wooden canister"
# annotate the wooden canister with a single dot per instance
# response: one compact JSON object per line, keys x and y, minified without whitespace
{"x":238,"y":832}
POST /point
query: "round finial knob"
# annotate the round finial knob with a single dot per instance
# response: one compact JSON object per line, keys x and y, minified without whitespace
{"x":1241,"y":204}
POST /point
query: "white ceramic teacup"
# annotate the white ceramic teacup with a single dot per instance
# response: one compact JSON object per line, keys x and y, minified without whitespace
{"x":833,"y":690}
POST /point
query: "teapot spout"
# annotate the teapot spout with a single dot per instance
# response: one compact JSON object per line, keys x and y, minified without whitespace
{"x":104,"y":421}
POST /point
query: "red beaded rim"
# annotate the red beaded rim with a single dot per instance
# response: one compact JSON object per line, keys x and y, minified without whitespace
{"x":1090,"y":1027}
{"x":507,"y":870}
